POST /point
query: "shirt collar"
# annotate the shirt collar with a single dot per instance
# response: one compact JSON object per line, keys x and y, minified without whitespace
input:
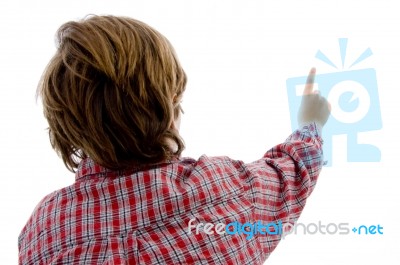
{"x":88,"y":167}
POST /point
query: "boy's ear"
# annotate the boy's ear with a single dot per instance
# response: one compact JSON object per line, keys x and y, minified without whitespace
{"x":176,"y":123}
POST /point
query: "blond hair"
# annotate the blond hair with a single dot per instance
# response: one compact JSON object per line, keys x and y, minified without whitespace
{"x":111,"y":93}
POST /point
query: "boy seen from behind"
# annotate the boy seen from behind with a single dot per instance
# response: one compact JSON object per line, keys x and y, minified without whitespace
{"x":111,"y":95}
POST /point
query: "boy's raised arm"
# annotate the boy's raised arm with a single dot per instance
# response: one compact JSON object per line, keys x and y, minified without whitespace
{"x":280,"y":183}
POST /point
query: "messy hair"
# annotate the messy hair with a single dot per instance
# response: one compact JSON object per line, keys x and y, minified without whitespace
{"x":111,"y":93}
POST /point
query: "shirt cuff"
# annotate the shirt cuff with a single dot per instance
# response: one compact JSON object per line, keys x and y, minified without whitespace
{"x":315,"y":130}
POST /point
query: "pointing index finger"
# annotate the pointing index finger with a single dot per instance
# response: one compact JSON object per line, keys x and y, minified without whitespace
{"x":308,"y":89}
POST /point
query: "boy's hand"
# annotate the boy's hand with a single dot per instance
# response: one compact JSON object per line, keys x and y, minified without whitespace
{"x":314,"y":107}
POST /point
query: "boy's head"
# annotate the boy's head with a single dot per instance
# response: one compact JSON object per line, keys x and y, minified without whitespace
{"x":112,"y":92}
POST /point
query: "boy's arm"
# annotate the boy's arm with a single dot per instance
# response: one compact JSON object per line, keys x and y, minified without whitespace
{"x":283,"y":179}
{"x":279,"y":184}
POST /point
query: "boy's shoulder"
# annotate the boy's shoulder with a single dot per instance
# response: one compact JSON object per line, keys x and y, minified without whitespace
{"x":183,"y":175}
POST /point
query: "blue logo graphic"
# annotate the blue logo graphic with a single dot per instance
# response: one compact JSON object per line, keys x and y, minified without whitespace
{"x":353,"y":95}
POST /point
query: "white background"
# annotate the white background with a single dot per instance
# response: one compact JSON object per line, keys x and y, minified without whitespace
{"x":238,"y":55}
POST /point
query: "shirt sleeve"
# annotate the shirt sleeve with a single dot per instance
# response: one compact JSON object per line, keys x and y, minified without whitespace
{"x":279,"y":184}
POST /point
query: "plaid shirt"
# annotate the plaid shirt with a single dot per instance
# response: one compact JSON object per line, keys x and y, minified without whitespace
{"x":141,"y":217}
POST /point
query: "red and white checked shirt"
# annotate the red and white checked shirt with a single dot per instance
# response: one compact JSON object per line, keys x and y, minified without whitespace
{"x":111,"y":217}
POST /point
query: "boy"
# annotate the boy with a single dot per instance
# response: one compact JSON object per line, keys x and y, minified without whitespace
{"x":111,"y":95}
